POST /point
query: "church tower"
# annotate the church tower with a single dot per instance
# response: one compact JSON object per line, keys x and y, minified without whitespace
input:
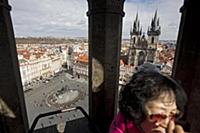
{"x":153,"y":33}
{"x":142,"y":49}
{"x":135,"y":35}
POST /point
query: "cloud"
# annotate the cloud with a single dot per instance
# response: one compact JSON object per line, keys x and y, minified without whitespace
{"x":68,"y":17}
{"x":49,"y":18}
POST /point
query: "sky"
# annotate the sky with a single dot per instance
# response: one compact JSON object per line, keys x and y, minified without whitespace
{"x":67,"y":18}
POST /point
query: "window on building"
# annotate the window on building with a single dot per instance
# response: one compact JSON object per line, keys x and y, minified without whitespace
{"x":152,"y":40}
{"x":133,"y":40}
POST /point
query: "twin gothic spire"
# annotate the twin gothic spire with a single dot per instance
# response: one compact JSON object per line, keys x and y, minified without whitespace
{"x":154,"y":29}
{"x":136,"y":29}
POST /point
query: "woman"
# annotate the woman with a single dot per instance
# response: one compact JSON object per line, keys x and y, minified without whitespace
{"x":149,"y":103}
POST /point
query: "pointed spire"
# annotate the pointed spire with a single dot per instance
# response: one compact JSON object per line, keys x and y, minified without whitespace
{"x":141,"y":31}
{"x":136,"y":22}
{"x":154,"y":21}
{"x":158,"y":22}
{"x":155,"y":16}
{"x":136,"y":28}
{"x":152,"y":24}
{"x":154,"y":29}
{"x":134,"y":25}
{"x":136,"y":18}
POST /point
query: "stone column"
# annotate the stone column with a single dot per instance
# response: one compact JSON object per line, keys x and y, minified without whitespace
{"x":105,"y":29}
{"x":12,"y":106}
{"x":187,"y":61}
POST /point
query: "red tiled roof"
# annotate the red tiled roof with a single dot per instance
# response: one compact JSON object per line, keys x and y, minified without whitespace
{"x":82,"y":58}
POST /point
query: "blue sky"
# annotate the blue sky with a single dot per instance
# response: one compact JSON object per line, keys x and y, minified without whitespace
{"x":67,"y":18}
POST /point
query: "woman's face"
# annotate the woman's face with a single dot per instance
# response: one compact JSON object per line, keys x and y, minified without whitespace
{"x":159,"y":112}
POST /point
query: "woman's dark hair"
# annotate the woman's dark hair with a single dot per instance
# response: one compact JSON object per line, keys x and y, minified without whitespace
{"x":143,"y":86}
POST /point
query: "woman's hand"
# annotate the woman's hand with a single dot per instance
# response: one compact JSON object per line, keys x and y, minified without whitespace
{"x":172,"y":128}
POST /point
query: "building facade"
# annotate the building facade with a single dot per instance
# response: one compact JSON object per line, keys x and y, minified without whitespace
{"x":143,"y":49}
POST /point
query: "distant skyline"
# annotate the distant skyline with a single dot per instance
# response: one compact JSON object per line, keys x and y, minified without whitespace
{"x":67,"y":18}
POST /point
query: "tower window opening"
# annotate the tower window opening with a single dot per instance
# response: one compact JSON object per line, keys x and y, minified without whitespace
{"x":152,"y":40}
